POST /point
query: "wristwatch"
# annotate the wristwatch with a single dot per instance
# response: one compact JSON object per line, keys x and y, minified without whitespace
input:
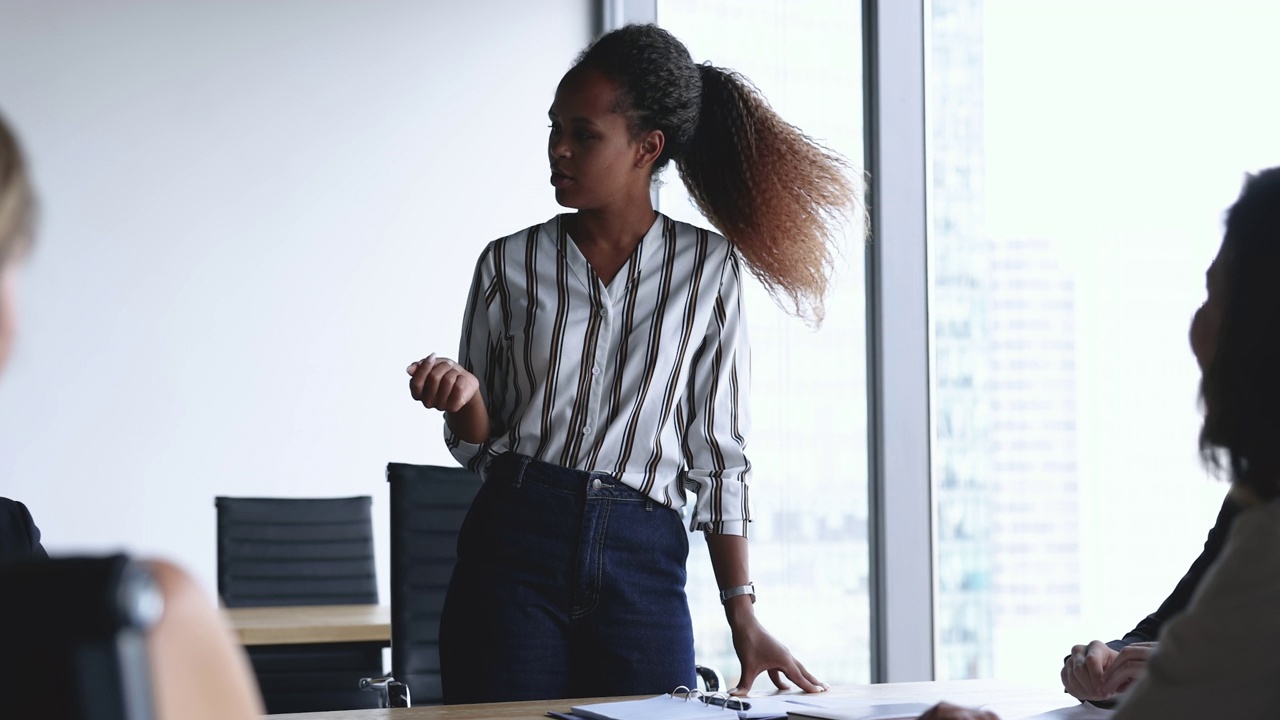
{"x":733,"y":592}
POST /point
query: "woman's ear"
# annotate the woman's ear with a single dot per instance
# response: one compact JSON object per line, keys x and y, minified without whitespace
{"x":649,"y":149}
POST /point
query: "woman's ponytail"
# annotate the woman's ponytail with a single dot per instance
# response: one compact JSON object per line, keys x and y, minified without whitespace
{"x":777,"y":195}
{"x":771,"y":190}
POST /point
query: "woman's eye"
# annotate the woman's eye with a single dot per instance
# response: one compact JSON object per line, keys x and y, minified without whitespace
{"x":584,"y":136}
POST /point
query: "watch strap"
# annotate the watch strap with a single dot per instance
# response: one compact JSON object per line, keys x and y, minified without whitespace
{"x":733,"y":592}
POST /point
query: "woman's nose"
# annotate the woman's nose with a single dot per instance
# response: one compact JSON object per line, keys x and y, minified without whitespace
{"x":1195,"y":333}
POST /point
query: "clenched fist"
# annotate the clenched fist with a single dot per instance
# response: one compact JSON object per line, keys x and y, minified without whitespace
{"x":441,"y":384}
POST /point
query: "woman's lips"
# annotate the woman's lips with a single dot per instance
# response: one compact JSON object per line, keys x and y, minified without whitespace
{"x":559,"y":179}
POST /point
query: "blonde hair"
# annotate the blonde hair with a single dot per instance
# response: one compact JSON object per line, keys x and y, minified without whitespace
{"x":17,"y":201}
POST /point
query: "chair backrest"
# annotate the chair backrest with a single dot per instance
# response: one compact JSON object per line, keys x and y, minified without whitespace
{"x":295,"y":551}
{"x":73,"y":639}
{"x":428,"y":505}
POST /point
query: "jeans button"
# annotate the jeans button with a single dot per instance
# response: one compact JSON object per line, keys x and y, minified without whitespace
{"x":597,"y":484}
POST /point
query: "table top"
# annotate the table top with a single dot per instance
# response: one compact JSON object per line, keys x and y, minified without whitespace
{"x":1010,"y":701}
{"x":310,"y":624}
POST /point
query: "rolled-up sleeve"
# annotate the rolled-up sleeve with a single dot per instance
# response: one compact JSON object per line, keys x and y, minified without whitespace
{"x":718,"y":421}
{"x":480,"y":352}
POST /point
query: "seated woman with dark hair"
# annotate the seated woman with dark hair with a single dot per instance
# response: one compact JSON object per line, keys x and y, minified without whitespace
{"x":19,"y":537}
{"x":1218,"y":658}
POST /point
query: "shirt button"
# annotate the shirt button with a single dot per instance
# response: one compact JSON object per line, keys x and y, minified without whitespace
{"x":595,"y":371}
{"x":597,"y":484}
{"x":603,"y":312}
{"x":586,"y":431}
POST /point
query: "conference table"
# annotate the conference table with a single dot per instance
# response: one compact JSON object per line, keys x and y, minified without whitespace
{"x":311,"y":624}
{"x":1011,"y":701}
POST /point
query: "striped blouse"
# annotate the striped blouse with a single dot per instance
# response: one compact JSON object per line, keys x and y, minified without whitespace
{"x":645,"y":378}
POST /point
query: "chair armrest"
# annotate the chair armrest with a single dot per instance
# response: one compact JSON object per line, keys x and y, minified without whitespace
{"x":710,"y":678}
{"x":391,"y":692}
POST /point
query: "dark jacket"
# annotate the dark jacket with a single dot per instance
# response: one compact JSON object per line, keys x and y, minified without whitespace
{"x":1149,"y":629}
{"x":19,"y":537}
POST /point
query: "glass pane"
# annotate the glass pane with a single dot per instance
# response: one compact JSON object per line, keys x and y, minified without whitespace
{"x":1082,"y":154}
{"x":808,"y":446}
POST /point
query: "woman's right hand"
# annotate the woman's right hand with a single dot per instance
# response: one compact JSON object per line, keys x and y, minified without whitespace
{"x":1083,"y":669}
{"x":1128,"y":666}
{"x":441,"y":384}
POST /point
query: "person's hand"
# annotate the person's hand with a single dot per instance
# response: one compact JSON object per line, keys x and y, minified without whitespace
{"x":758,"y":651}
{"x":947,"y":711}
{"x":1083,"y":669}
{"x":441,"y":384}
{"x":1127,"y":666}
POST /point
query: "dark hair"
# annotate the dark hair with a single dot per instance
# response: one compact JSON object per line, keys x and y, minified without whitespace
{"x":17,"y":203}
{"x":771,"y":190}
{"x":1241,"y":385}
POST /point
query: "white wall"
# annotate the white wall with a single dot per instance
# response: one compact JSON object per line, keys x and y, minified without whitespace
{"x":255,"y":215}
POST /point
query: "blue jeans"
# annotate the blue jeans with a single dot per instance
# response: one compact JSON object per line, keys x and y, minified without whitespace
{"x":568,"y":584}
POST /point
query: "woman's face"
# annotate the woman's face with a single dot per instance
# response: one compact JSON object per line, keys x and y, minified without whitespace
{"x":594,"y":160}
{"x":1207,"y":320}
{"x":8,"y":289}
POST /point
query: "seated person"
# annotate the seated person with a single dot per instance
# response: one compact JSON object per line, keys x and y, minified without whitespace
{"x":1217,"y":657}
{"x":199,"y":673}
{"x":19,"y":538}
{"x":1123,"y":661}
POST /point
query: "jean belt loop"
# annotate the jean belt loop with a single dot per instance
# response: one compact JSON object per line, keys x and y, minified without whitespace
{"x":522,"y":462}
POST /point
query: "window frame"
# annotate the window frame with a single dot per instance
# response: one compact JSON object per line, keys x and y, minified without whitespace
{"x":899,"y":364}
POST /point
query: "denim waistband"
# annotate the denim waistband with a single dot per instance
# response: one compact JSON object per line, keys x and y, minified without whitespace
{"x":517,"y":470}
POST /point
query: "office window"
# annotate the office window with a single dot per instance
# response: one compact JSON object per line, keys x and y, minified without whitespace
{"x":1082,"y":153}
{"x":809,"y":556}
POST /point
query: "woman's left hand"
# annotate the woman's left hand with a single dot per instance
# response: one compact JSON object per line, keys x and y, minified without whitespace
{"x":758,"y":651}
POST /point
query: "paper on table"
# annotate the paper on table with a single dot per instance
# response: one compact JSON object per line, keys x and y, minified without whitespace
{"x":862,"y":711}
{"x":663,"y":707}
{"x":766,"y":707}
{"x":667,"y":707}
{"x":1083,"y":711}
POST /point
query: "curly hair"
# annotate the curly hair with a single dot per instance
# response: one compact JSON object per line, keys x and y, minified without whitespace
{"x":17,"y":202}
{"x":1240,"y":389}
{"x":772,"y":191}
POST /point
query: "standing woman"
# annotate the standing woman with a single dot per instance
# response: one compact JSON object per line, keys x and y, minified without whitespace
{"x":604,"y":370}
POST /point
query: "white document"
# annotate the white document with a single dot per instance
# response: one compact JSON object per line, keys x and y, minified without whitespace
{"x":1083,"y":711}
{"x":780,"y":706}
{"x":667,"y":707}
{"x":862,"y":711}
{"x":664,"y":707}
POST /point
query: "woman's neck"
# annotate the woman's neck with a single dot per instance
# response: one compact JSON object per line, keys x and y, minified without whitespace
{"x":617,"y":229}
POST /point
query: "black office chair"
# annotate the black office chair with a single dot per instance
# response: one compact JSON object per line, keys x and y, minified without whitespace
{"x":302,"y":551}
{"x":73,"y":634}
{"x":428,"y":505}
